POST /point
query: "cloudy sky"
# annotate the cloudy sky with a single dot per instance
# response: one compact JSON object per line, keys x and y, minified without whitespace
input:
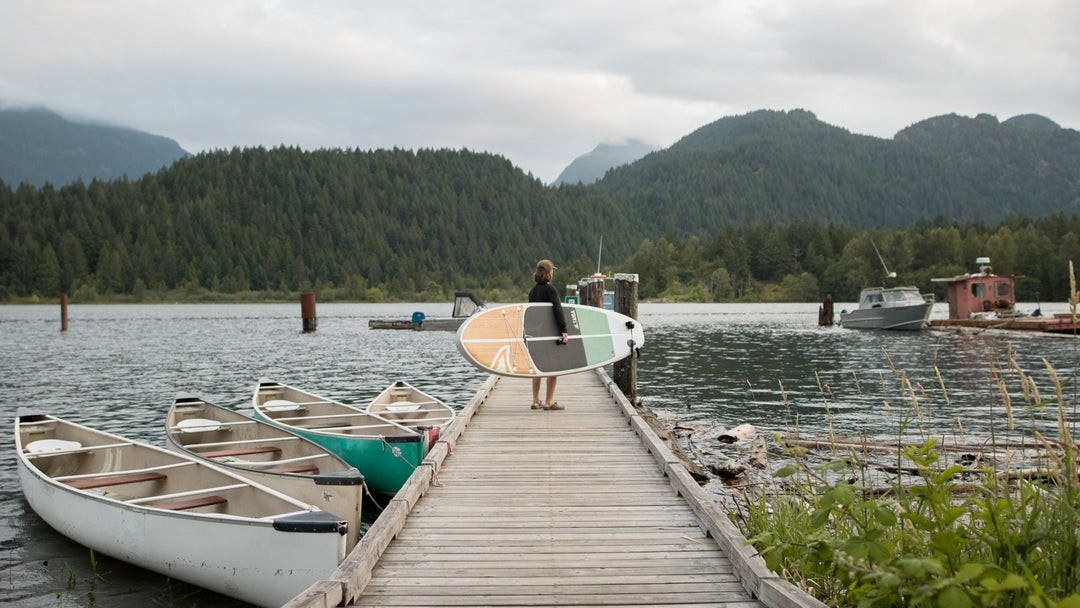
{"x":538,"y":82}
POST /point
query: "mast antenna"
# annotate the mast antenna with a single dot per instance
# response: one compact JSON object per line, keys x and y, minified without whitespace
{"x":600,"y":253}
{"x":888,"y":275}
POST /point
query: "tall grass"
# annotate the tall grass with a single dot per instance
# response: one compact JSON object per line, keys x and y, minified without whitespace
{"x":936,"y":532}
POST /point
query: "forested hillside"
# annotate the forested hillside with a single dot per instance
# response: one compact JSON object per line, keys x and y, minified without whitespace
{"x":285,"y":220}
{"x":769,"y":206}
{"x":774,"y":166}
{"x":802,"y":261}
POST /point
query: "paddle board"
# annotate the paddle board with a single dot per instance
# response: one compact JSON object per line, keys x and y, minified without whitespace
{"x":522,"y":340}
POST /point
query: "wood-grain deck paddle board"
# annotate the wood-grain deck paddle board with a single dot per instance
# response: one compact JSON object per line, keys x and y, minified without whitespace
{"x":522,"y":340}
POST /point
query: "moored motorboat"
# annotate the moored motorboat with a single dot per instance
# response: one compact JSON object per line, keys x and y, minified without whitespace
{"x":173,"y":514}
{"x":384,"y":451}
{"x":268,"y":455}
{"x":409,"y":406}
{"x":897,"y":308}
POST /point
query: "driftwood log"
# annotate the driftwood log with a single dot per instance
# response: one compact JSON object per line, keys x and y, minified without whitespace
{"x":726,"y":468}
{"x":737,"y":433}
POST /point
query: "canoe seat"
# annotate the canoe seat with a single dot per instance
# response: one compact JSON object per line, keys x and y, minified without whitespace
{"x":198,"y":425}
{"x":191,"y":503}
{"x":51,"y":445}
{"x":304,"y":468}
{"x":402,"y":406}
{"x":265,"y":449}
{"x":116,"y":480}
{"x":281,"y":405}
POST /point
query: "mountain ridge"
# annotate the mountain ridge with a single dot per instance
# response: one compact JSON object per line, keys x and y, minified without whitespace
{"x":778,"y":165}
{"x":39,"y":146}
{"x":591,"y":166}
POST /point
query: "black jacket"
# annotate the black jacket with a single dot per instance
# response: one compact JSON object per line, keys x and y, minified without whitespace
{"x":544,"y":292}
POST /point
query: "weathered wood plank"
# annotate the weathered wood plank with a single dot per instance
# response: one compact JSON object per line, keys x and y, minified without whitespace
{"x":581,"y":507}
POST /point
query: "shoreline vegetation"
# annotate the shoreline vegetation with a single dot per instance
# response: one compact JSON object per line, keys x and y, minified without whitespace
{"x":930,"y":518}
{"x":924,"y":519}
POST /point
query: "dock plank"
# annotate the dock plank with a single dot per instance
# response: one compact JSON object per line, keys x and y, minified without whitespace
{"x":539,"y":508}
{"x":579,"y":507}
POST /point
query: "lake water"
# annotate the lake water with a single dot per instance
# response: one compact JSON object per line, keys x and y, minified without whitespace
{"x":118,"y":368}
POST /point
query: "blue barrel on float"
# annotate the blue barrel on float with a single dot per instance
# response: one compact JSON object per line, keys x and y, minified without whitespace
{"x":417,"y":317}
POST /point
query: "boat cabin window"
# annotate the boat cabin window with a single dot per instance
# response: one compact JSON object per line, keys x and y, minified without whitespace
{"x":978,"y":290}
{"x":1002,"y":290}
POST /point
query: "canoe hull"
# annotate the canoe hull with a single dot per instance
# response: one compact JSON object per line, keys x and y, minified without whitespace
{"x":242,"y":553}
{"x":385,"y":452}
{"x":385,"y":463}
{"x":411,"y":407}
{"x":241,"y":559}
{"x":319,"y":477}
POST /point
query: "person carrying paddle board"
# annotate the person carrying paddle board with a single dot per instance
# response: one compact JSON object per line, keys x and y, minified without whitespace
{"x":545,"y":292}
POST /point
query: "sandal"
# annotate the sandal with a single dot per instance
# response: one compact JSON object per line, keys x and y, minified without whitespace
{"x":554,"y":406}
{"x":536,"y":406}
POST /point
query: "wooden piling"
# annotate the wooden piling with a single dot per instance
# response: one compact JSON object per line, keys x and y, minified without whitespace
{"x":591,"y":291}
{"x":63,"y":312}
{"x":825,"y":311}
{"x":307,"y":311}
{"x":624,"y":372}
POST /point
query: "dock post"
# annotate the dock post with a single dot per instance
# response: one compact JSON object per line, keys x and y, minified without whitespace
{"x":626,"y":302}
{"x":63,"y":312}
{"x":591,"y":291}
{"x":825,"y":311}
{"x":307,"y":311}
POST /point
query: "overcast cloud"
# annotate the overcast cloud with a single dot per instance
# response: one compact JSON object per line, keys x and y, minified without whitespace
{"x":538,"y":82}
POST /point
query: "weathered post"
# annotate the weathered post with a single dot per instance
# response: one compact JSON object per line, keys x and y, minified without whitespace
{"x":63,"y":312}
{"x":626,"y":302}
{"x":825,"y":311}
{"x":592,"y":291}
{"x":307,"y":311}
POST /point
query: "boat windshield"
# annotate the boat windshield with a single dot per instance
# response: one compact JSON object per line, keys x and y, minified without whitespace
{"x":904,"y":295}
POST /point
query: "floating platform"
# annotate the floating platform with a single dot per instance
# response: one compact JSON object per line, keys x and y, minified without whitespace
{"x":392,"y":324}
{"x":465,"y":305}
{"x":1057,"y":324}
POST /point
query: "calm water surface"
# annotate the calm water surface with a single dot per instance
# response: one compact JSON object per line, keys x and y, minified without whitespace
{"x":119,"y":367}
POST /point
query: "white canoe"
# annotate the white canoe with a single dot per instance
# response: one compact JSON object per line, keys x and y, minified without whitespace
{"x":268,"y":455}
{"x":173,"y":514}
{"x":411,"y":407}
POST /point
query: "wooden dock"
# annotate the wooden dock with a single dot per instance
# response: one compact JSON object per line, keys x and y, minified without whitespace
{"x":1057,"y":324}
{"x":582,"y":507}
